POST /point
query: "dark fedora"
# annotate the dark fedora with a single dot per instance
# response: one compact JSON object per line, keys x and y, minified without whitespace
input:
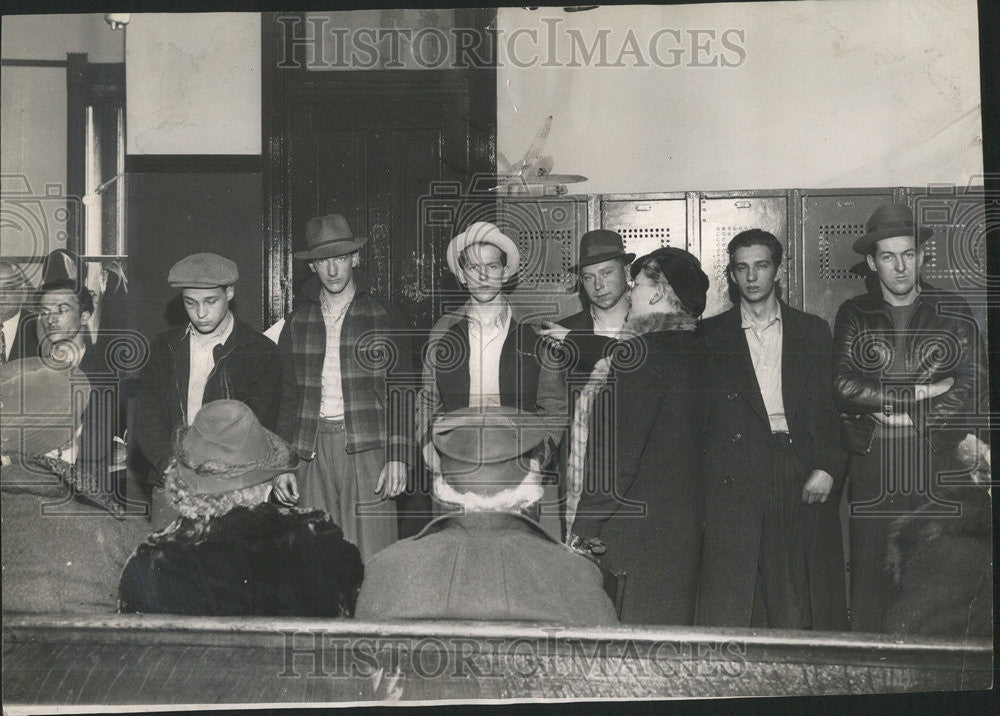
{"x":601,"y":245}
{"x":329,"y":236}
{"x":887,"y":221}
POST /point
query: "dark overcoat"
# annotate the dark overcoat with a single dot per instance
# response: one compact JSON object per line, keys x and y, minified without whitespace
{"x":648,"y":509}
{"x":737,"y":456}
{"x":484,"y":565}
{"x":260,"y":561}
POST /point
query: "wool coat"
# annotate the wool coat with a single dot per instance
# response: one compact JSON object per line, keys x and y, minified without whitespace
{"x":737,"y":456}
{"x":644,"y":497}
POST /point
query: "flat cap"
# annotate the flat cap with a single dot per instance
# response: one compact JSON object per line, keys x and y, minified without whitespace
{"x":203,"y":271}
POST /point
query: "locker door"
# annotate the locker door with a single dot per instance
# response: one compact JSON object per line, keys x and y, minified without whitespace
{"x":721,"y":220}
{"x":831,"y":271}
{"x":647,"y":224}
{"x":547,"y":232}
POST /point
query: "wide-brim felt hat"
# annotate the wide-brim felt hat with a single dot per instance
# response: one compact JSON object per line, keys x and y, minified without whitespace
{"x":226,"y":449}
{"x":483,"y":232}
{"x":487,"y":449}
{"x":684,"y":274}
{"x":328,"y":237}
{"x":601,"y":245}
{"x":40,"y":405}
{"x":888,"y":221}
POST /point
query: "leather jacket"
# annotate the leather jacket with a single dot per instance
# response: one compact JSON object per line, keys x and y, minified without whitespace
{"x":942,"y":340}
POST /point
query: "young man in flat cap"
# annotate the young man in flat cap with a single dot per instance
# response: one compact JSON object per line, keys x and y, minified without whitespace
{"x":215,"y":356}
{"x":910,"y":378}
{"x":480,"y":355}
{"x":335,"y":394}
{"x":772,"y":463}
{"x":486,"y":559}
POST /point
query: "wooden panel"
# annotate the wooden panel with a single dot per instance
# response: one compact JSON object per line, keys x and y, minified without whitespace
{"x":170,"y":660}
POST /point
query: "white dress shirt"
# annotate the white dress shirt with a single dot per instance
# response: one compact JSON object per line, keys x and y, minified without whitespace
{"x":10,"y":333}
{"x":488,"y":327}
{"x":764,"y":341}
{"x":331,"y":404}
{"x":203,"y":361}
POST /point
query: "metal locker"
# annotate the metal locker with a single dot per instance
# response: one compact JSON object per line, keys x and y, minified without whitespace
{"x":646,"y":223}
{"x":830,"y":270}
{"x":547,"y":231}
{"x":721,"y":218}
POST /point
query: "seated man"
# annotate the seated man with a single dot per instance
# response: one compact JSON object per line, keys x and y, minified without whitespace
{"x":65,"y":538}
{"x":231,"y":553}
{"x":486,"y":559}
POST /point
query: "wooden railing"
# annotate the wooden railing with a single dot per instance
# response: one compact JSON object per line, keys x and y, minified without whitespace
{"x":145,"y":659}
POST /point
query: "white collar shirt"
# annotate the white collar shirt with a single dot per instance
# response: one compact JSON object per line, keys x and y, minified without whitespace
{"x":764,"y":341}
{"x":488,"y":327}
{"x":10,"y":333}
{"x":203,"y":362}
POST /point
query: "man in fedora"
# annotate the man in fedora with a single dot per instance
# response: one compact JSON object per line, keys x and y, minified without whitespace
{"x":231,"y":552}
{"x":909,"y":374}
{"x":19,"y":338}
{"x":486,"y":559}
{"x":603,"y":274}
{"x":480,"y":354}
{"x":335,"y":396}
{"x":215,"y":356}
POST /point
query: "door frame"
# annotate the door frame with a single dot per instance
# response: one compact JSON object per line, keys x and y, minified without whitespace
{"x":282,"y":87}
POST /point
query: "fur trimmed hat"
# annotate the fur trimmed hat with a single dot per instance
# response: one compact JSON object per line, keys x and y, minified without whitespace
{"x":227,"y":449}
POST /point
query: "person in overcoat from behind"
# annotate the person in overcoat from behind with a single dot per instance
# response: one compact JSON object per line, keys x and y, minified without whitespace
{"x":642,"y":513}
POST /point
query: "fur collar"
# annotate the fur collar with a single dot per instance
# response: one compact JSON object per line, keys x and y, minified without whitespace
{"x":655,"y":322}
{"x":240,"y":524}
{"x":510,"y":499}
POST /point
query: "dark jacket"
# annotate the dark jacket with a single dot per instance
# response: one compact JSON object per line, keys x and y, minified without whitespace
{"x":647,"y":507}
{"x":247,"y":369}
{"x":942,"y":568}
{"x":737,"y":454}
{"x":263,"y":561}
{"x":370,"y":325}
{"x":25,"y":343}
{"x":587,"y":348}
{"x":942,"y":341}
{"x":484,"y":565}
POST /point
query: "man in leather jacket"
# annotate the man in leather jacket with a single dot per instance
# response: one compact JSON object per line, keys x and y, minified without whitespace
{"x":910,"y":377}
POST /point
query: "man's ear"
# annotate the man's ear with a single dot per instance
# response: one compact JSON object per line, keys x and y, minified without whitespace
{"x":312,"y":266}
{"x":85,"y":316}
{"x":355,"y":260}
{"x":871,"y":262}
{"x":920,"y":255}
{"x":230,"y":292}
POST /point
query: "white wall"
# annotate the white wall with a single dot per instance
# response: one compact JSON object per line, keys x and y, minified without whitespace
{"x":838,"y":93}
{"x":193,"y":83}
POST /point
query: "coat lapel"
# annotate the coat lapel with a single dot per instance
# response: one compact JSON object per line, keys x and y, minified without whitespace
{"x":743,"y":376}
{"x":795,"y":360}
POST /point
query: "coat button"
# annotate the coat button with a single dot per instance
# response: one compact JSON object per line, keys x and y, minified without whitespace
{"x":736,"y":437}
{"x":733,"y":396}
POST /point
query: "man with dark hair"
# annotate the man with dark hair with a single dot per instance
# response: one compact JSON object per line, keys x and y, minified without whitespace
{"x":910,"y":378}
{"x":335,"y":394}
{"x":215,"y":356}
{"x":19,"y":338}
{"x":772,"y":464}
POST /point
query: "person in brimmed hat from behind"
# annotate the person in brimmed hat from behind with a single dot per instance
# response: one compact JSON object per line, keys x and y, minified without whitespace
{"x":19,"y":337}
{"x":639,"y":509}
{"x":335,"y":392}
{"x":486,"y":558}
{"x":215,"y":356}
{"x":908,"y":362}
{"x":480,"y":354}
{"x":65,"y":537}
{"x":772,"y":465}
{"x":231,"y":552}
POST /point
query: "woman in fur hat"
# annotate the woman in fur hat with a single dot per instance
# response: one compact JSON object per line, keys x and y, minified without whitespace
{"x":231,"y":552}
{"x":645,"y":516}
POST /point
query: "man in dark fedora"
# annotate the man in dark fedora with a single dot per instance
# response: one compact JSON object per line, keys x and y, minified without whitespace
{"x":486,"y":558}
{"x":231,"y":552}
{"x":910,"y":380}
{"x":334,"y":395}
{"x":215,"y":356}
